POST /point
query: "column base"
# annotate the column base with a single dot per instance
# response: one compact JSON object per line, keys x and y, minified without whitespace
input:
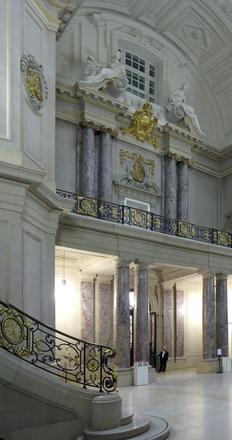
{"x":126,"y":376}
{"x":207,"y":366}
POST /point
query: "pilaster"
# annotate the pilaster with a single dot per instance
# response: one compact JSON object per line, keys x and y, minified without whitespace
{"x":222,"y":313}
{"x":170,"y":201}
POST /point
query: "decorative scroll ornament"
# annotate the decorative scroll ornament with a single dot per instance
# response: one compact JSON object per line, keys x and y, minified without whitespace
{"x":143,"y":124}
{"x":35,"y":83}
{"x":137,"y":165}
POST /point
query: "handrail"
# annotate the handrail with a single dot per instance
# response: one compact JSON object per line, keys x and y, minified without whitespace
{"x":127,"y":215}
{"x":56,"y":352}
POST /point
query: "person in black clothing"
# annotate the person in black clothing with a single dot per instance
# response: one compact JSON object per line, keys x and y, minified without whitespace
{"x":163,"y":359}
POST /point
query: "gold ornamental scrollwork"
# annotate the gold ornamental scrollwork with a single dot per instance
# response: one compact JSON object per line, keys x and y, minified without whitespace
{"x":143,"y":125}
{"x":35,"y":82}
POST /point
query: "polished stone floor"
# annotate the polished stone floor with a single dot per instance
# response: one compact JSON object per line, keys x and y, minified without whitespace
{"x":197,"y":406}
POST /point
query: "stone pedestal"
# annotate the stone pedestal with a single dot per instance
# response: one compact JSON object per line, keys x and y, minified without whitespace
{"x":170,"y":201}
{"x":87,"y":183}
{"x":208,"y":318}
{"x":182,"y":191}
{"x":105,"y":167}
{"x":122,"y":315}
{"x":221,"y":313}
{"x":141,"y":313}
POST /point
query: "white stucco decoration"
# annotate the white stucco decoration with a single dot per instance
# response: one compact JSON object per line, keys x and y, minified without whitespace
{"x":99,"y":77}
{"x":179,"y":110}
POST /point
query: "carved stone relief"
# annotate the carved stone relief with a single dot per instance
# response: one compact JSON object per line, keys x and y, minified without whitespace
{"x":137,"y":171}
{"x":35,"y":82}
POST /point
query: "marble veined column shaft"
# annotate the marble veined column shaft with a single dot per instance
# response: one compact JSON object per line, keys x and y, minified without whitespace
{"x":209,"y":317}
{"x":78,"y":158}
{"x":182,"y":191}
{"x":122,"y":315}
{"x":222,"y":313}
{"x":141,"y":313}
{"x":87,"y":183}
{"x":105,"y":167}
{"x":170,"y":200}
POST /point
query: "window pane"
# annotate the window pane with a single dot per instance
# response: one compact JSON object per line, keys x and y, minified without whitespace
{"x":140,"y":75}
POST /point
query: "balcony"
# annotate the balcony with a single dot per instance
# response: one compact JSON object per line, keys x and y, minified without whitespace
{"x":126,"y":215}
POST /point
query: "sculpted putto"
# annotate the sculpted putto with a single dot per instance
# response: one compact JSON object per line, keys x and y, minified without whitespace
{"x":99,"y":77}
{"x":181,"y":111}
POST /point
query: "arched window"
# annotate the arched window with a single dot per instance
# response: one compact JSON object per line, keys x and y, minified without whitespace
{"x":141,"y":75}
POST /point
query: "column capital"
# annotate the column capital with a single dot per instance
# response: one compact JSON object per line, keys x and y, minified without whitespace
{"x":104,"y":279}
{"x":206,"y":274}
{"x":222,"y":275}
{"x":140,"y":265}
{"x":122,"y":262}
{"x":88,"y":277}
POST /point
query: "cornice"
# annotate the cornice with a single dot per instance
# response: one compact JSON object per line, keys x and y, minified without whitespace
{"x":47,"y":18}
{"x":179,"y":133}
{"x":65,"y":10}
{"x":101,"y":98}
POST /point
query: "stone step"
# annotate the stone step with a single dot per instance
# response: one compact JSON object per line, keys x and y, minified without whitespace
{"x":126,"y":418}
{"x":154,"y":428}
{"x":137,"y":426}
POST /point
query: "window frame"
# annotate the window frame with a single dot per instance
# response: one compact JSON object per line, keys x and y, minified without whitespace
{"x":139,"y":70}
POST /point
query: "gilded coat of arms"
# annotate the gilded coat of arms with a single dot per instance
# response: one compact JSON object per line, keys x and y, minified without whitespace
{"x":143,"y":124}
{"x":35,"y":83}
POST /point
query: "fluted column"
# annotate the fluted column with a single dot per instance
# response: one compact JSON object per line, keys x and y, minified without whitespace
{"x":209,"y":317}
{"x":105,"y":167}
{"x":141,"y":313}
{"x":170,"y":201}
{"x":122,"y":315}
{"x":182,"y":190}
{"x":87,"y":183}
{"x":222,"y":313}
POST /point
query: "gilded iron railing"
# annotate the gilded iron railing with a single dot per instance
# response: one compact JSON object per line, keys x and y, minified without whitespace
{"x":69,"y":358}
{"x":147,"y":220}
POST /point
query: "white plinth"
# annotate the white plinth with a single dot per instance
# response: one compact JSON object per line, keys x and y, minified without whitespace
{"x":226,"y":364}
{"x":141,"y":373}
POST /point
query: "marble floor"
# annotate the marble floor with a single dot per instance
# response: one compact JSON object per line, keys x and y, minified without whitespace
{"x":196,"y":406}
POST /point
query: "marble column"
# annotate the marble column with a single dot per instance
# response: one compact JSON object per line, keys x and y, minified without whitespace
{"x":170,"y":193}
{"x":209,"y":317}
{"x":104,"y":310}
{"x":221,"y":313}
{"x":105,"y":167}
{"x":182,"y":191}
{"x":141,"y":313}
{"x":78,"y":157}
{"x":122,"y":315}
{"x":87,"y":183}
{"x":87,"y":308}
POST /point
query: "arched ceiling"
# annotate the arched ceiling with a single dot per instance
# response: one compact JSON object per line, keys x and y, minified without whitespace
{"x":200,"y":30}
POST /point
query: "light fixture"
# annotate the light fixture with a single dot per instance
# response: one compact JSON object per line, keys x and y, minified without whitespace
{"x":63,"y":282}
{"x":132,"y":298}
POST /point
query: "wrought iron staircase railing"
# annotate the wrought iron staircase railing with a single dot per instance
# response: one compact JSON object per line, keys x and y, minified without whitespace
{"x":69,"y":358}
{"x":127,"y":215}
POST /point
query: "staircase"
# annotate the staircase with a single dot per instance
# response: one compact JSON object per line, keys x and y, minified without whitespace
{"x":37,"y":405}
